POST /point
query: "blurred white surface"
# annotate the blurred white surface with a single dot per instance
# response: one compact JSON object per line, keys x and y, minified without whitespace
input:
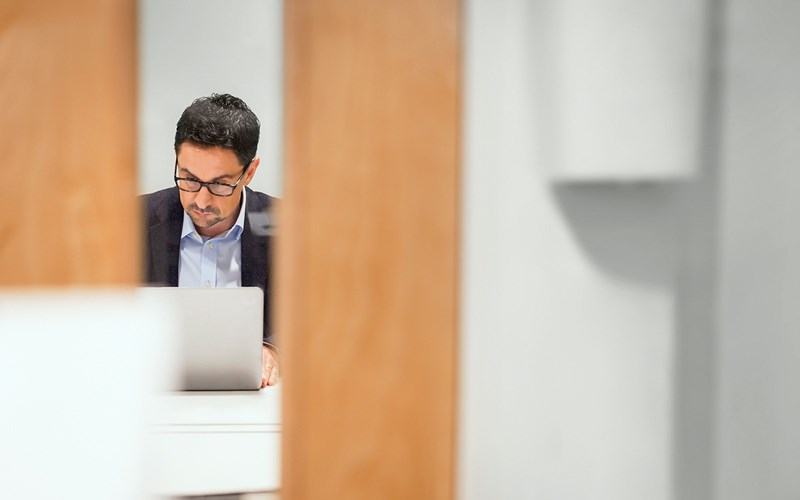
{"x":192,"y":48}
{"x":625,"y":79}
{"x":216,"y":442}
{"x":78,"y":370}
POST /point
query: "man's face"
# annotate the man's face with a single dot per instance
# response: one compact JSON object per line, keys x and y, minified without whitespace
{"x":212,"y":215}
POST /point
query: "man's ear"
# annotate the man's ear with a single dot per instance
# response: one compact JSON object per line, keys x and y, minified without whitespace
{"x":251,"y":170}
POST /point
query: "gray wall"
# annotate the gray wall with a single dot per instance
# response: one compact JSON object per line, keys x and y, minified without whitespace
{"x":192,"y":48}
{"x":758,"y":438}
{"x":632,"y":341}
{"x":569,"y":304}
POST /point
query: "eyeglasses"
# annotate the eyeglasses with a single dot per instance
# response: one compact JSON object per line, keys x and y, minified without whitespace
{"x":215,"y":188}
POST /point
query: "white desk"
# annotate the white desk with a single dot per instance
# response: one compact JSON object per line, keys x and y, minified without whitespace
{"x":217,"y":442}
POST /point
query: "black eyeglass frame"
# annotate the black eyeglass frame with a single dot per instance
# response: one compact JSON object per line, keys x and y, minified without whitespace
{"x":208,"y":185}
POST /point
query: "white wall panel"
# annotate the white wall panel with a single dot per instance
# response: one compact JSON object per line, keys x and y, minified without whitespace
{"x":625,"y":79}
{"x":79,"y":371}
{"x":192,"y":48}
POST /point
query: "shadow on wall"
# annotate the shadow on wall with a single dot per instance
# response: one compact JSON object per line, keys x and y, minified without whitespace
{"x":662,"y":235}
{"x":666,"y":235}
{"x":627,"y":230}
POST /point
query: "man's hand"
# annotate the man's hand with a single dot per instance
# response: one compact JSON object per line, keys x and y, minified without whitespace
{"x":269,"y":367}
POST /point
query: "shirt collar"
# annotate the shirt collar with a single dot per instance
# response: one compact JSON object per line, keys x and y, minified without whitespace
{"x":235,"y":232}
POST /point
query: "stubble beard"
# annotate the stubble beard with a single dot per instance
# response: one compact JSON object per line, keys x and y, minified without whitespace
{"x":202,"y":222}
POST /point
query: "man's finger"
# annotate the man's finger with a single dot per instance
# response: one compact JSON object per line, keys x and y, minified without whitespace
{"x":273,"y":378}
{"x":268,"y":371}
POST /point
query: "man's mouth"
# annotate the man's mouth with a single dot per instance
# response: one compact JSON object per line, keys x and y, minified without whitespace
{"x":203,"y":213}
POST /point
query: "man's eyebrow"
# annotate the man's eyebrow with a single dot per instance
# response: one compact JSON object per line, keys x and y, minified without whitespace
{"x":215,"y":179}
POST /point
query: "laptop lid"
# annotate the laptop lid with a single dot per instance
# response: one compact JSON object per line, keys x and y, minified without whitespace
{"x":219,"y":336}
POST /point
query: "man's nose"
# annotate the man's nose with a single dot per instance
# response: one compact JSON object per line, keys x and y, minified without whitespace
{"x":203,"y":197}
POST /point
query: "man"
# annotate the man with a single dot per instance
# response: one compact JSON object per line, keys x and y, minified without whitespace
{"x":199,"y":233}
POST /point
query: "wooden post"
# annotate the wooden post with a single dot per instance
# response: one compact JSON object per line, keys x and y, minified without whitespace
{"x":68,"y":213}
{"x":368,"y":249}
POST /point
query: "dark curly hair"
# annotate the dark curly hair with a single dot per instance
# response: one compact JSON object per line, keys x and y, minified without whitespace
{"x":220,"y":120}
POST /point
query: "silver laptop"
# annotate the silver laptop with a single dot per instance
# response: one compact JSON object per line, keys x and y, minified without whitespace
{"x":219,"y":336}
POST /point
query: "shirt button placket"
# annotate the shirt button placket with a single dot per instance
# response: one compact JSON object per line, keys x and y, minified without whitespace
{"x":208,"y":271}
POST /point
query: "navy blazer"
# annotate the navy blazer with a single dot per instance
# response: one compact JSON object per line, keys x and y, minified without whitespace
{"x":163,"y":221}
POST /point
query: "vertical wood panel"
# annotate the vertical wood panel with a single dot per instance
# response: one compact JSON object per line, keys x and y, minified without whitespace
{"x":68,"y":214}
{"x":367,"y":259}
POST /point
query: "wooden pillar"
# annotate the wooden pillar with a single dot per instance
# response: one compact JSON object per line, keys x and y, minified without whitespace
{"x":68,"y":213}
{"x":368,"y":249}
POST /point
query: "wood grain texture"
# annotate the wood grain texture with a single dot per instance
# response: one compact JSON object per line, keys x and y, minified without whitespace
{"x":68,"y":213}
{"x":368,"y":253}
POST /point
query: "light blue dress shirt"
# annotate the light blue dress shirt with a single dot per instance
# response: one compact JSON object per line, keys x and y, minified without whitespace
{"x":211,"y":262}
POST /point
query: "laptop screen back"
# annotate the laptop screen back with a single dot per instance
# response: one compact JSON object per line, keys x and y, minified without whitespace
{"x":219,"y":336}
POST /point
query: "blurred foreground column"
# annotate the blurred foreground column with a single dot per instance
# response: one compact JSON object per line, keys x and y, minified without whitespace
{"x":76,"y":362}
{"x":368,"y":248}
{"x":67,"y":88}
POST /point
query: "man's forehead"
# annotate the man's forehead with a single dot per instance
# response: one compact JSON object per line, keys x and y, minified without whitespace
{"x":213,"y":160}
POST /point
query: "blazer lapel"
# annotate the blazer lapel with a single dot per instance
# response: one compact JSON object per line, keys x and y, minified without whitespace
{"x":256,"y":258}
{"x":255,"y":255}
{"x":165,"y":246}
{"x":165,"y":243}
